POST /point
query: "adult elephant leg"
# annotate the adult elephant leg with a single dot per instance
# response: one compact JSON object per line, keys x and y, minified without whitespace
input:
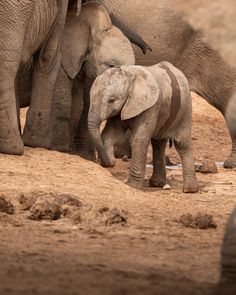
{"x":60,"y":117}
{"x":36,"y":132}
{"x":82,"y":144}
{"x":227,"y":284}
{"x":76,"y":107}
{"x":211,"y":78}
{"x":13,"y":18}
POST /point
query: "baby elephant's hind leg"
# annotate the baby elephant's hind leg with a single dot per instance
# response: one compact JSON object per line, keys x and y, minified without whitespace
{"x":184,"y":149}
{"x":158,"y":178}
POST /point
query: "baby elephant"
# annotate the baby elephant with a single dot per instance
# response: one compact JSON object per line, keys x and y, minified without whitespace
{"x":155,"y":104}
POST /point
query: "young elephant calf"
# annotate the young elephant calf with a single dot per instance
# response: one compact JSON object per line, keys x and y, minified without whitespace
{"x":155,"y":104}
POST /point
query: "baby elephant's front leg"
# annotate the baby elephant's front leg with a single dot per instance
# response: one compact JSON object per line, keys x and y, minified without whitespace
{"x":139,"y":144}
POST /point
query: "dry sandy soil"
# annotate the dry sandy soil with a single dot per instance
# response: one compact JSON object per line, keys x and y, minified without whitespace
{"x":83,"y":253}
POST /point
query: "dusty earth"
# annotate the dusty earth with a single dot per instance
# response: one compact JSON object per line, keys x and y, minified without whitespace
{"x":116,"y":240}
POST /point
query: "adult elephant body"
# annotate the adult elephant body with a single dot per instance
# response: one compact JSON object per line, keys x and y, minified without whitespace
{"x":90,"y":45}
{"x":30,"y":39}
{"x":174,"y":40}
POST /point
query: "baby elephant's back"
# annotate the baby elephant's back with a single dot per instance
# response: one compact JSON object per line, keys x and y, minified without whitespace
{"x":176,"y":99}
{"x":177,"y":77}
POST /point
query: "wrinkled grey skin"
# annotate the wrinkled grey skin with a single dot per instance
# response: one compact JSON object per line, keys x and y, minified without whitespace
{"x":227,"y":283}
{"x":141,"y":99}
{"x":30,"y":42}
{"x":90,"y":45}
{"x":230,"y":115}
{"x":174,"y":40}
{"x":222,"y":39}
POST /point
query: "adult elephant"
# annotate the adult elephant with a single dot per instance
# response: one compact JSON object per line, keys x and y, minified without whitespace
{"x":90,"y":45}
{"x":30,"y":33}
{"x":174,"y":40}
{"x":227,"y":283}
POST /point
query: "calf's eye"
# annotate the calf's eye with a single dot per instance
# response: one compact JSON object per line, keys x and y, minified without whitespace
{"x":111,"y":100}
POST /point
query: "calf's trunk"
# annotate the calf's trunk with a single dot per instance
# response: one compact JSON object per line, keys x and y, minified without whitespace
{"x":94,"y":131}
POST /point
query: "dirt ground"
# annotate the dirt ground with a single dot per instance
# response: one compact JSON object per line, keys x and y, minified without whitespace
{"x":138,"y":248}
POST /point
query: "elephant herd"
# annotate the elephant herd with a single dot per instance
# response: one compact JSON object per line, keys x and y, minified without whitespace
{"x":54,"y":54}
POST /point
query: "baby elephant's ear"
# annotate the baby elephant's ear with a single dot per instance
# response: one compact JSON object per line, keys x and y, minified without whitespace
{"x":144,"y":93}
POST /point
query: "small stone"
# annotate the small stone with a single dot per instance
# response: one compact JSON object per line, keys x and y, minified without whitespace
{"x":115,"y":216}
{"x":125,"y":158}
{"x":6,"y":206}
{"x":207,"y":167}
{"x":166,"y":186}
{"x":200,"y":220}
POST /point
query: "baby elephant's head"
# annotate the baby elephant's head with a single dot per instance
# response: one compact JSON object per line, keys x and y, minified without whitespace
{"x":128,"y":91}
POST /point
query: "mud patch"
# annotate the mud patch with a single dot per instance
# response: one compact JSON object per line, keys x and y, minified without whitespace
{"x":46,"y":210}
{"x":68,"y":199}
{"x":6,"y":206}
{"x":114,"y":216}
{"x":90,"y":215}
{"x":200,"y":220}
{"x":56,"y":206}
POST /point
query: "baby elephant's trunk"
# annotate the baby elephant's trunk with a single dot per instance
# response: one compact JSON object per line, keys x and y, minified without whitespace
{"x":94,"y":131}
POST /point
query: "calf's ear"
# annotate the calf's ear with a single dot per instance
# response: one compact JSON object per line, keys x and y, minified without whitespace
{"x":144,"y":93}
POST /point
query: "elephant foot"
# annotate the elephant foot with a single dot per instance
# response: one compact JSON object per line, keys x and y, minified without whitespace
{"x":190,"y":187}
{"x":61,"y":148}
{"x":135,"y":184}
{"x":33,"y":140}
{"x":157,"y":182}
{"x":36,"y":131}
{"x":107,"y":164}
{"x":87,"y":155}
{"x":120,"y":153}
{"x":230,"y":162}
{"x":12,"y":146}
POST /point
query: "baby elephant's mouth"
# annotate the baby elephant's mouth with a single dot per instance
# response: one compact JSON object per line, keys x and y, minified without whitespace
{"x":112,"y":114}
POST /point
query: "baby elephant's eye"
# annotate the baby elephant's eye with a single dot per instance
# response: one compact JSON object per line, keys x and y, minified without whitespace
{"x":111,"y":100}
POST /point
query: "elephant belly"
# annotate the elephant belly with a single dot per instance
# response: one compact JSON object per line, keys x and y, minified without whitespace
{"x":38,"y":27}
